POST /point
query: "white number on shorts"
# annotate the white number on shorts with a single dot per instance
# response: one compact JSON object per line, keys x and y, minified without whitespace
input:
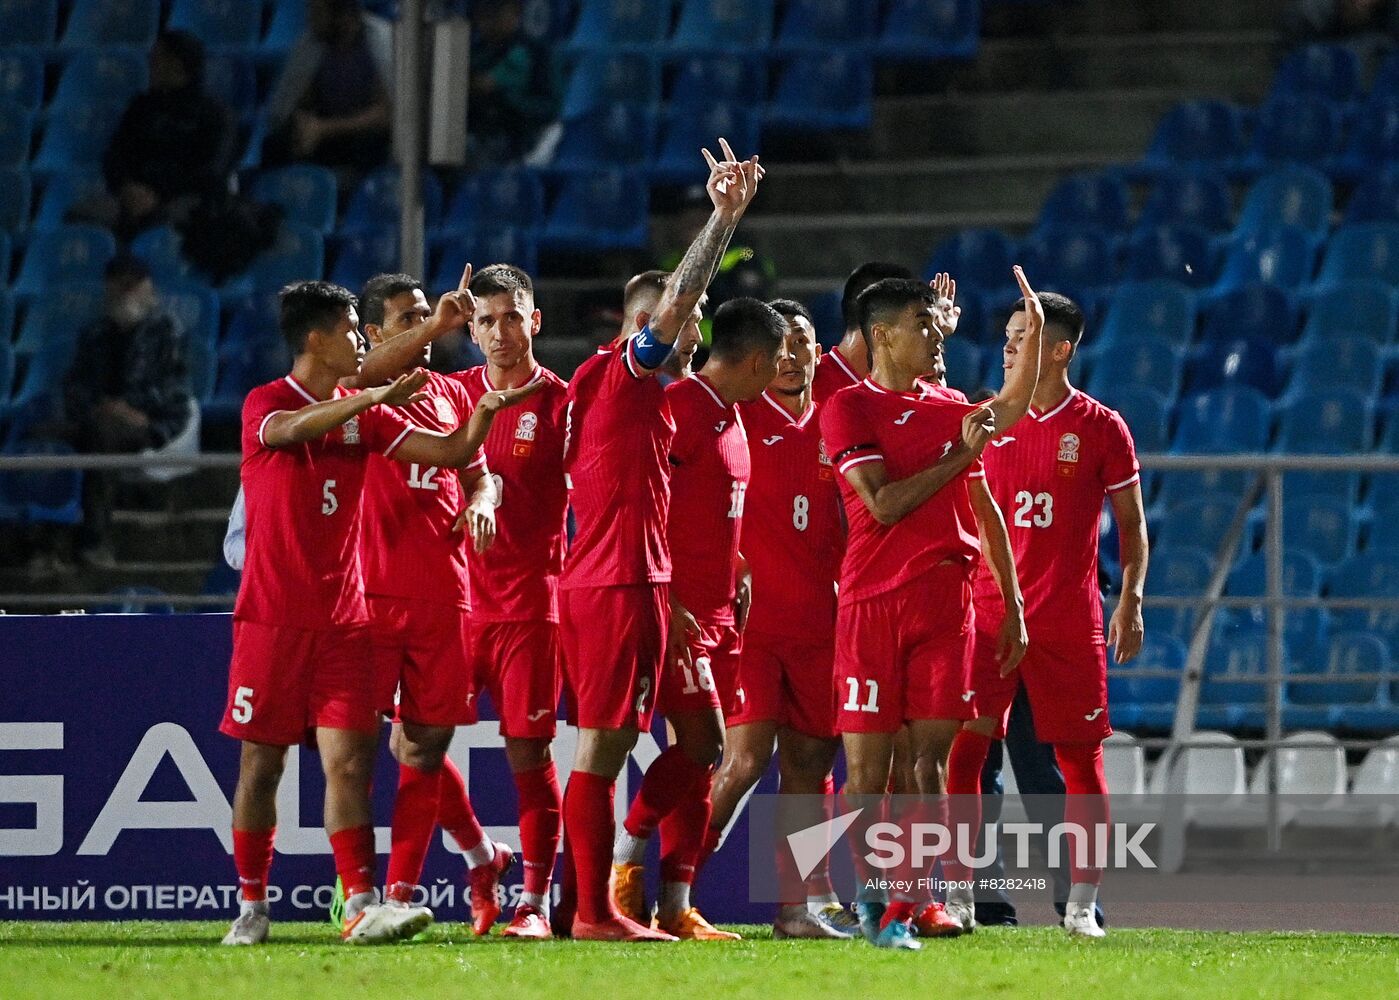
{"x":422,"y":479}
{"x":871,"y":704}
{"x":243,"y":705}
{"x":1042,"y":518}
{"x":801,"y":508}
{"x":643,"y":688}
{"x":329,"y":505}
{"x":736,"y":499}
{"x":702,"y":679}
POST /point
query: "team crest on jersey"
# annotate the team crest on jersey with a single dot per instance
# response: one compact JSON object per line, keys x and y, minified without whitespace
{"x":352,"y":430}
{"x":1068,"y":448}
{"x":526,"y":426}
{"x":444,"y":409}
{"x":821,"y":455}
{"x":825,"y":472}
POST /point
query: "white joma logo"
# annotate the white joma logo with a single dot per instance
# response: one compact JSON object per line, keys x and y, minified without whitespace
{"x":903,"y":417}
{"x":719,"y":427}
{"x":536,"y":716}
{"x":1093,"y":715}
{"x":772,"y":440}
{"x":968,"y":695}
{"x":1002,"y":442}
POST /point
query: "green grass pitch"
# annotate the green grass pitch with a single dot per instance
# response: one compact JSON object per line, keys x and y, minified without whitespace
{"x":305,"y":961}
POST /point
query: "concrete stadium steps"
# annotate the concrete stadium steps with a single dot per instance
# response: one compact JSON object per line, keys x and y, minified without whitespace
{"x":191,"y":535}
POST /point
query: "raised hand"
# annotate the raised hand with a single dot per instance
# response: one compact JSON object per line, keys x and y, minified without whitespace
{"x":455,"y":309}
{"x":403,"y":390}
{"x":501,"y":399}
{"x":732,"y":183}
{"x":978,"y":427}
{"x":1034,"y":312}
{"x":946,"y":312}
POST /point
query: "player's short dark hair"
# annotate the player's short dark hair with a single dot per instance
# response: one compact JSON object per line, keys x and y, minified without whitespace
{"x":885,"y":299}
{"x":791,"y":308}
{"x":646,"y":285}
{"x":742,"y":326}
{"x":311,"y":305}
{"x":862,"y":278}
{"x":377,"y":292}
{"x":501,"y":279}
{"x":1063,"y":318}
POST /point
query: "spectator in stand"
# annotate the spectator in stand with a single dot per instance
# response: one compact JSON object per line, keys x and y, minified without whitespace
{"x":175,"y":145}
{"x":514,"y":88}
{"x":1311,"y":20}
{"x":128,"y":390}
{"x":331,"y":104}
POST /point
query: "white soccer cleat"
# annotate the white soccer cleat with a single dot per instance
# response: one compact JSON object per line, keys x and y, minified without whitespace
{"x":1080,"y":921}
{"x":962,"y":911}
{"x":799,"y":922}
{"x":250,"y":928}
{"x":382,"y":923}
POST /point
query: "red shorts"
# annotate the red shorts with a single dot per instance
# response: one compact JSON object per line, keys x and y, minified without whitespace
{"x":906,"y":654}
{"x":787,"y":681}
{"x":517,"y":664}
{"x":283,"y":683}
{"x":1067,"y":686}
{"x":712,"y":682}
{"x":614,"y":642}
{"x":422,"y":651}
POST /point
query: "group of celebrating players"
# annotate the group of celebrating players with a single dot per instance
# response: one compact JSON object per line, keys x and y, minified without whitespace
{"x":780,"y":553}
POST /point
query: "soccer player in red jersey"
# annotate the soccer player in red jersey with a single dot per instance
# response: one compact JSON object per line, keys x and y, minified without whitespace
{"x":709,"y":474}
{"x":849,"y":361}
{"x":615,"y":603}
{"x":516,"y":646}
{"x":1051,"y":478}
{"x":418,"y":596}
{"x":903,"y":626}
{"x":301,"y":656}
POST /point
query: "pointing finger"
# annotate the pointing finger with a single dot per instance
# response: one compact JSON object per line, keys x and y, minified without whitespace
{"x":709,"y":158}
{"x":728,"y":150}
{"x":465,"y":282}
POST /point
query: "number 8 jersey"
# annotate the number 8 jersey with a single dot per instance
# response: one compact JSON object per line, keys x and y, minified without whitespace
{"x":1050,"y":474}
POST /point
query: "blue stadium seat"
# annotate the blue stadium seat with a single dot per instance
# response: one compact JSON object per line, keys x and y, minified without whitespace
{"x":687,"y":130}
{"x":1147,"y":362}
{"x":1233,"y":419}
{"x":297,"y":254}
{"x":1163,"y":310}
{"x":1367,"y":250}
{"x":232,"y":24}
{"x":39,"y":384}
{"x":1145,"y":411}
{"x":728,"y":79}
{"x":1293,"y":196}
{"x":925,"y":30}
{"x":823,"y":24}
{"x":359,"y":257}
{"x":977,"y":258}
{"x":1376,"y":198}
{"x":600,"y":210}
{"x":1150,"y":701}
{"x":1296,"y":130}
{"x":1087,"y":200}
{"x":1251,"y":310}
{"x":305,"y":193}
{"x":1351,"y":363}
{"x":600,"y":82}
{"x":1198,"y":132}
{"x":1301,"y":575}
{"x":1178,"y":571}
{"x":26,"y":23}
{"x":1067,"y":259}
{"x":1328,"y":692}
{"x":833,"y":90}
{"x":1283,"y":255}
{"x":620,"y":136}
{"x":1182,"y":254}
{"x":52,"y":321}
{"x":825,"y":308}
{"x":1374,"y":573}
{"x":488,"y":199}
{"x":67,"y":255}
{"x":62,"y":192}
{"x":1374,"y":140}
{"x":1367,"y":309}
{"x":7,"y":329}
{"x":21,"y":74}
{"x":1327,"y":71}
{"x":195,"y":307}
{"x":1250,"y":361}
{"x":160,"y":249}
{"x":374,"y":205}
{"x":76,"y":135}
{"x":1238,"y":652}
{"x":111,"y":75}
{"x":16,"y":193}
{"x":102,"y":23}
{"x":1325,"y":422}
{"x":1326,"y":527}
{"x":244,"y":363}
{"x":47,"y":496}
{"x":232,"y":78}
{"x":16,"y":133}
{"x":620,"y":25}
{"x":723,"y":26}
{"x":1189,"y":197}
{"x":965,"y":365}
{"x":504,"y":244}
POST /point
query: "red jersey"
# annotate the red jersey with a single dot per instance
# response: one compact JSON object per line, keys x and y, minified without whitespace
{"x":709,"y":477}
{"x":302,"y":568}
{"x":908,"y":432}
{"x":833,"y":373}
{"x":617,"y":457}
{"x":408,"y":546}
{"x":517,"y":579}
{"x":1049,"y":476}
{"x":793,"y":537}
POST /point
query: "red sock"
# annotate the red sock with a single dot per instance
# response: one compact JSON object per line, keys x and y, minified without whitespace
{"x":587,"y":815}
{"x":683,"y":830}
{"x":252,"y":856}
{"x":1085,"y":805}
{"x":667,"y":784}
{"x":964,"y":766}
{"x":898,"y":909}
{"x":354,"y":858}
{"x":454,"y":810}
{"x":414,"y":819}
{"x":540,"y":808}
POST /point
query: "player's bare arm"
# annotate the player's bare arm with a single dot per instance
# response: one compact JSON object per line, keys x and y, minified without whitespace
{"x":682,"y":627}
{"x":995,"y":547}
{"x":743,"y":593}
{"x":393,"y":356}
{"x":1126,"y":631}
{"x":316,"y":419}
{"x":455,"y":450}
{"x":478,"y":519}
{"x":1013,"y":401}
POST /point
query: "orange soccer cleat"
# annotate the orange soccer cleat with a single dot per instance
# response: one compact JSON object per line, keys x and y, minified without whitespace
{"x":934,"y":921}
{"x":528,"y":924}
{"x":617,"y":929}
{"x":484,"y":881}
{"x":628,"y":888}
{"x":691,"y":926}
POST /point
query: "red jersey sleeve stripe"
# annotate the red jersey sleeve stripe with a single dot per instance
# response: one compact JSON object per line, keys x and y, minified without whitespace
{"x":393,"y":447}
{"x":479,"y":462}
{"x":263,"y":426}
{"x":851,"y":461}
{"x":1135,"y":478}
{"x":979,"y":474}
